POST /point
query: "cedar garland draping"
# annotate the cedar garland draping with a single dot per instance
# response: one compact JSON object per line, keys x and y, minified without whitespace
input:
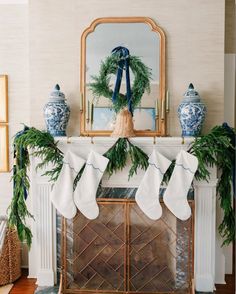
{"x":215,"y":148}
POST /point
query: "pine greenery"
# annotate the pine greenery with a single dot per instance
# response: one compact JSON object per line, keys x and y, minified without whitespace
{"x":120,"y":152}
{"x":216,"y":149}
{"x":139,"y":159}
{"x":117,"y":156}
{"x":43,"y":146}
{"x":142,"y":75}
{"x":212,"y":149}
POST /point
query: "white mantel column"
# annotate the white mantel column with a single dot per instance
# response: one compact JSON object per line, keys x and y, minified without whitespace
{"x":42,"y":256}
{"x":205,"y":233}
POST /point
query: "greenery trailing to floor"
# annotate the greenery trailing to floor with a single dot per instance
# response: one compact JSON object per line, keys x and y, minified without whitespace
{"x":215,"y":148}
{"x":18,"y":208}
{"x":42,"y":145}
{"x":142,"y":75}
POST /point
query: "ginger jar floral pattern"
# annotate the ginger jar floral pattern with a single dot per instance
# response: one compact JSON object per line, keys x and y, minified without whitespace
{"x":57,"y":113}
{"x":191,"y":113}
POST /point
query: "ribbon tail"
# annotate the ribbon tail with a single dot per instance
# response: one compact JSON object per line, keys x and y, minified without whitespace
{"x":118,"y":81}
{"x":124,"y":61}
{"x":128,"y":88}
{"x":22,"y":152}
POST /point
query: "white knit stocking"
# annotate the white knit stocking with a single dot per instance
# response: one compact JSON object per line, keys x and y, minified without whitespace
{"x":175,"y":196}
{"x":147,"y":195}
{"x":85,"y":192}
{"x":62,"y":192}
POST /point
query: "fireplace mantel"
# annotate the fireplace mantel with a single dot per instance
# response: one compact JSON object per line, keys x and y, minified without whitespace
{"x":42,"y":256}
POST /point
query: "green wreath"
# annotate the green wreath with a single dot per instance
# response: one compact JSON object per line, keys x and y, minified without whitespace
{"x":142,"y":75}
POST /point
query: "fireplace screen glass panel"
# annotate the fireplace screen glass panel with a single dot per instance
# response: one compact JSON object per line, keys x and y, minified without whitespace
{"x":124,"y":251}
{"x":96,"y":250}
{"x":159,"y":253}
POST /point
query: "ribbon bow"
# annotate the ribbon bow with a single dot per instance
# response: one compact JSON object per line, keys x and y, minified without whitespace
{"x":123,"y":63}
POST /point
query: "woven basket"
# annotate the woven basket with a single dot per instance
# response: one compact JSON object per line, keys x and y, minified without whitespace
{"x":10,"y":261}
{"x":124,"y":126}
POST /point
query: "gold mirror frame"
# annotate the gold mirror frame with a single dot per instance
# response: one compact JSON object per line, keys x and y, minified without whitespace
{"x":161,"y":119}
{"x":4,"y":145}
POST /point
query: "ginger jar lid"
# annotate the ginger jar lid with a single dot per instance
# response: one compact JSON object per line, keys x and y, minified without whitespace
{"x":56,"y":94}
{"x":191,"y":95}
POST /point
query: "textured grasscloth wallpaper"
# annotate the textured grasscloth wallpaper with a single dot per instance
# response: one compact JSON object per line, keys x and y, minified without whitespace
{"x":40,"y":46}
{"x":14,"y":62}
{"x":195,"y":49}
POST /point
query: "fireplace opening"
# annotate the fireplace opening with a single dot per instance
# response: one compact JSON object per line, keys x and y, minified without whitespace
{"x":123,"y":251}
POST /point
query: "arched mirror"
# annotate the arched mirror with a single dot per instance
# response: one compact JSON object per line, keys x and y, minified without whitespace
{"x":144,"y":39}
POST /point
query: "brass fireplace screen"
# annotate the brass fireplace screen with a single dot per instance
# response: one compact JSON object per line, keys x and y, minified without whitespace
{"x":123,"y":251}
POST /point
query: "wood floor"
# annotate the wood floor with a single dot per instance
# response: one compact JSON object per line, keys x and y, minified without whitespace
{"x":28,"y":286}
{"x":229,"y":288}
{"x":24,"y":285}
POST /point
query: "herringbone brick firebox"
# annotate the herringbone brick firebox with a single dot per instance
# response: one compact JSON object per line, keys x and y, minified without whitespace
{"x":123,"y":251}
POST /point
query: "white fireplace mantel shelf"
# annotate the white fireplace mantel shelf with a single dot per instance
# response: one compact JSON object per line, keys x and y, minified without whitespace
{"x":42,"y":256}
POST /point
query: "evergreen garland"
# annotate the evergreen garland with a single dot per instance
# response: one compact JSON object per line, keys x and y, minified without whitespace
{"x":142,"y":75}
{"x":214,"y":148}
{"x":43,"y":146}
{"x":118,"y":155}
{"x":120,"y":152}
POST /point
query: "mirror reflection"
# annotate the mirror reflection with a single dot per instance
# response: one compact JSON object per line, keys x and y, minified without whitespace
{"x":141,"y":42}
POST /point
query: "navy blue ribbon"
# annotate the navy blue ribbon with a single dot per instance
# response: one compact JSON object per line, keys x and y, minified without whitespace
{"x":22,"y":153}
{"x":123,"y":63}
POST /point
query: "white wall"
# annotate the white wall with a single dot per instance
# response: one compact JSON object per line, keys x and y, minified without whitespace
{"x":229,"y":101}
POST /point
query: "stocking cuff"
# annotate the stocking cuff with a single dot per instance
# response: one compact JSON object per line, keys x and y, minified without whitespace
{"x":74,"y":161}
{"x":187,"y":161}
{"x":159,"y":161}
{"x":97,"y":161}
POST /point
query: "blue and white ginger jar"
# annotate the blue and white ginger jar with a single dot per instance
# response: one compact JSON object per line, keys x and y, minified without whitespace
{"x":56,"y":113}
{"x":191,"y":113}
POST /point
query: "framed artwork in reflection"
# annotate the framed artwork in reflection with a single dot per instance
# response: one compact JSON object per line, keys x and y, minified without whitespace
{"x":104,"y":118}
